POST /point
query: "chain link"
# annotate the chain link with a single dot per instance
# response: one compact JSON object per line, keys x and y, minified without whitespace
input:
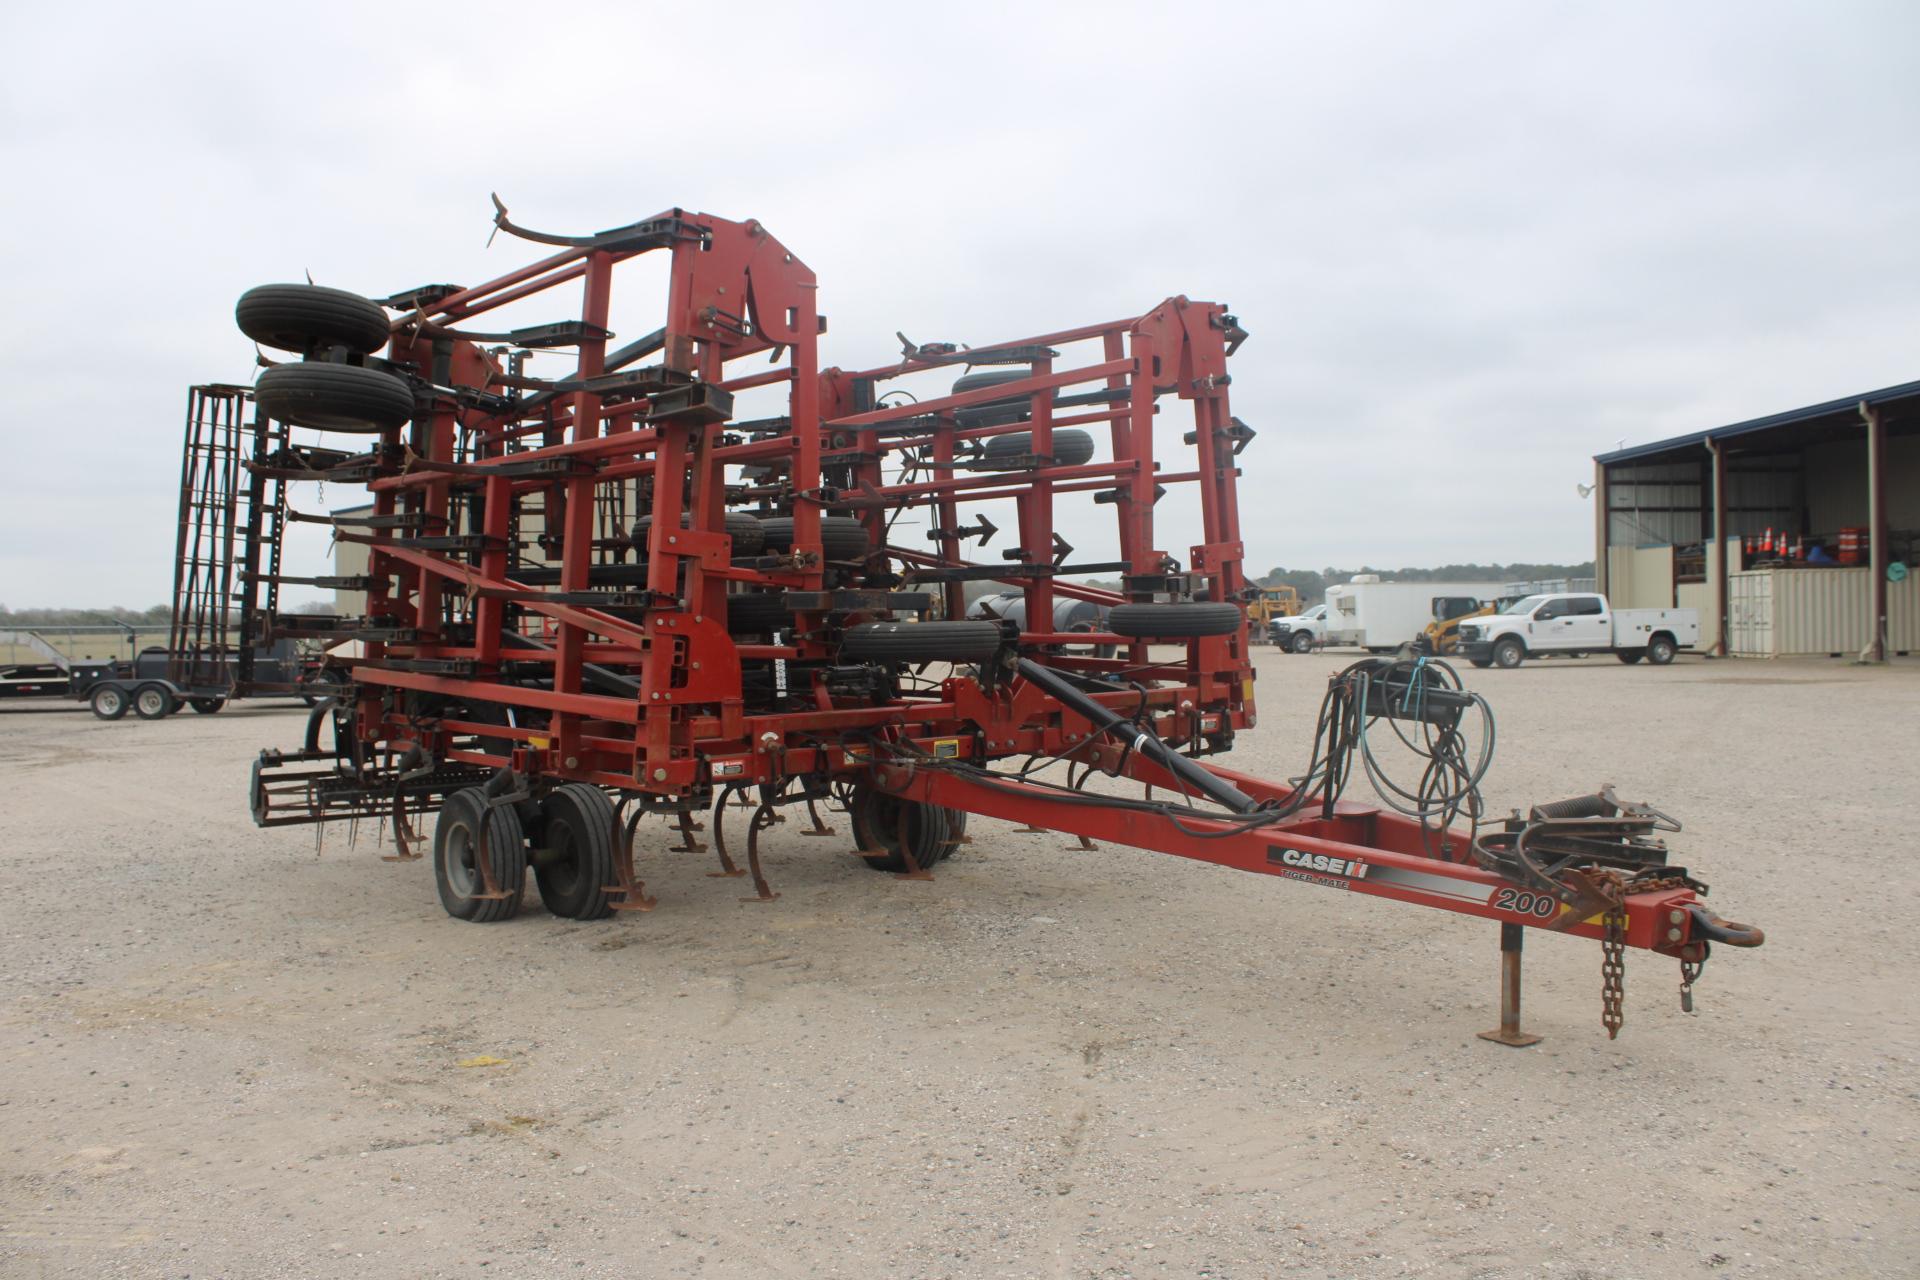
{"x":1689,"y":974}
{"x":1613,"y":954}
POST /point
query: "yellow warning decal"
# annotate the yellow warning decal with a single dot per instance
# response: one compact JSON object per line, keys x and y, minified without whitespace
{"x":946,"y":748}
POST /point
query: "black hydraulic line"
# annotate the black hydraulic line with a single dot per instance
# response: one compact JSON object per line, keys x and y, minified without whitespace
{"x":1138,"y":739}
{"x":601,"y":678}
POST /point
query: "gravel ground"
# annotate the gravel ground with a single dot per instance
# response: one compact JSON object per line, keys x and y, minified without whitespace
{"x":232,"y":1052}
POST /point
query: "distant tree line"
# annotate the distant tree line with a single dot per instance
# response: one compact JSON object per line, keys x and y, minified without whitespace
{"x":159,"y":615}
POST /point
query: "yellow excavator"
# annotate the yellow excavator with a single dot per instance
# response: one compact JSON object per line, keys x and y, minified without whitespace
{"x":1268,"y":604}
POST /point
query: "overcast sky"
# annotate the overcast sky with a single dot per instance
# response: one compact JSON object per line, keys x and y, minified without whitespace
{"x":1474,"y":243}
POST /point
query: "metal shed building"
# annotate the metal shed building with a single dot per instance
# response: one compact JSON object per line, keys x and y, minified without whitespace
{"x":1685,"y":522}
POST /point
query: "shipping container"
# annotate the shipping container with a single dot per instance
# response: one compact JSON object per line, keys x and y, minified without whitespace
{"x":1778,"y":613}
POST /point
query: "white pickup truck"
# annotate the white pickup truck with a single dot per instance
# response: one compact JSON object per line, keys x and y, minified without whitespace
{"x":1577,"y":623}
{"x":1300,"y":633}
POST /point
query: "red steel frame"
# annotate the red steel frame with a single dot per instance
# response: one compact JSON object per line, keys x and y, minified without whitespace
{"x":736,"y":292}
{"x":689,"y":710}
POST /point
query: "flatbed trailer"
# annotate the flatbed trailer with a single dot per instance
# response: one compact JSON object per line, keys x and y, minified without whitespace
{"x":602,"y":595}
{"x":159,"y":682}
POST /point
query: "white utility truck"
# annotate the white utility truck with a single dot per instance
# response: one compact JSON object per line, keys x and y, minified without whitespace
{"x":1380,"y":615}
{"x":1579,"y":622}
{"x":1301,"y":633}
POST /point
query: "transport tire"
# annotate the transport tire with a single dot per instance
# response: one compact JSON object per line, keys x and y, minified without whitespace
{"x":1071,"y":448}
{"x":1660,"y":650}
{"x":334,"y":397}
{"x":1629,"y":656}
{"x":749,"y":538}
{"x":1174,"y":621}
{"x":1509,"y":653}
{"x":877,"y":821}
{"x":109,"y":702}
{"x":902,"y":642}
{"x":1482,"y":663}
{"x":300,"y":317}
{"x":456,"y":843}
{"x":994,"y":413}
{"x":841,"y":537}
{"x":749,"y":535}
{"x":154,"y":702}
{"x":980,"y":379}
{"x":576,"y":845}
{"x":758,"y":612}
{"x":207,"y":706}
{"x":1301,"y":642}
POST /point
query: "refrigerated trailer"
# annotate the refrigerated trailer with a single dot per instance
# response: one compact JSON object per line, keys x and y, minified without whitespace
{"x":1381,"y":616}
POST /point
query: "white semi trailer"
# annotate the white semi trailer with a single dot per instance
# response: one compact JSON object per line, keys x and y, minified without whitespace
{"x":1380,"y":615}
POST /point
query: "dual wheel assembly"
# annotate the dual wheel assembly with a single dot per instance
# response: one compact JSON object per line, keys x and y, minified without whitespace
{"x":334,"y":386}
{"x":484,"y":846}
{"x":148,"y":701}
{"x":482,"y":849}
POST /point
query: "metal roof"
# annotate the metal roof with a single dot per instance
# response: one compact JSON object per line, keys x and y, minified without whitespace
{"x":1846,"y":406}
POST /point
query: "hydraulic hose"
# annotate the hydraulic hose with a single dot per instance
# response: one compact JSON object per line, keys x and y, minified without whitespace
{"x":1188,"y":771}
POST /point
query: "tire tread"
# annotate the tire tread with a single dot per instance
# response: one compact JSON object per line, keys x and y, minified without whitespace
{"x":1180,"y":620}
{"x":299,"y":317}
{"x":334,"y":397}
{"x":507,"y":842}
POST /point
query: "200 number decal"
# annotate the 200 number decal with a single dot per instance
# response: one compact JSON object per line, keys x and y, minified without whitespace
{"x":1526,"y":903}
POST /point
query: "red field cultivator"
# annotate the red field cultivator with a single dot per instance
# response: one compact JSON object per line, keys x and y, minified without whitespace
{"x":601,"y":595}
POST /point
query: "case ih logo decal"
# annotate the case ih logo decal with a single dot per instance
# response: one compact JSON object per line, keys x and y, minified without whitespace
{"x":1347,"y":873}
{"x":1319,"y":863}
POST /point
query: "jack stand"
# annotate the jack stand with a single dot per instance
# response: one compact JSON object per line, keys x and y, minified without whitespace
{"x":1509,"y":1034}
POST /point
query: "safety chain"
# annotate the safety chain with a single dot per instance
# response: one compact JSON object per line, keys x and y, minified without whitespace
{"x":1689,"y":974}
{"x":1690,"y":970}
{"x":1613,"y":952}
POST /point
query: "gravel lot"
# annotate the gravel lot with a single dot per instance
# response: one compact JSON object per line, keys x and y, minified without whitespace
{"x":229,"y":1052}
